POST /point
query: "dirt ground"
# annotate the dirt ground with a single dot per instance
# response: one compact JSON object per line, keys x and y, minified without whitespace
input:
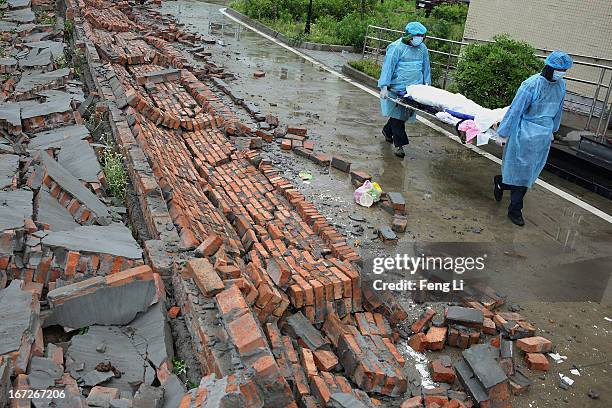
{"x":556,"y":268}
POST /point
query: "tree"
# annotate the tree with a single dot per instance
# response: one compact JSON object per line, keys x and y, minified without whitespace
{"x":308,"y":18}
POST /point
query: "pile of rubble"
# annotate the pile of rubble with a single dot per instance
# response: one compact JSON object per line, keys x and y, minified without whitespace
{"x":270,"y":292}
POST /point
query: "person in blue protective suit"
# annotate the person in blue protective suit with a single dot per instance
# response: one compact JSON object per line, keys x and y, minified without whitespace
{"x":406,"y":63}
{"x":528,"y":126}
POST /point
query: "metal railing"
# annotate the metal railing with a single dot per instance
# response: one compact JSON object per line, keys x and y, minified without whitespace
{"x":446,"y":53}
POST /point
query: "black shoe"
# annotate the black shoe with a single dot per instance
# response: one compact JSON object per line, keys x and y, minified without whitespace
{"x":387,"y":137}
{"x":498,"y":193}
{"x":517,"y":219}
{"x":399,"y":152}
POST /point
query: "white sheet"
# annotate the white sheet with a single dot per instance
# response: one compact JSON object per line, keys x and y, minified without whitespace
{"x":441,"y":99}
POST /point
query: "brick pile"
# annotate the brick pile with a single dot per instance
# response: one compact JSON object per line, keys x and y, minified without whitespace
{"x":48,"y":188}
{"x":124,"y":47}
{"x":271,"y":292}
{"x":107,"y":18}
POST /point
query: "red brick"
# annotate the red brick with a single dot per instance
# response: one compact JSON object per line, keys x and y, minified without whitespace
{"x":307,"y":361}
{"x":205,"y":277}
{"x":436,"y":336}
{"x":286,"y":144}
{"x":72,"y":259}
{"x":173,"y":312}
{"x":245,"y":334}
{"x":414,"y":402}
{"x":418,"y":342}
{"x":534,"y":345}
{"x":441,"y":373}
{"x":537,"y":361}
{"x":325,"y":360}
{"x":488,"y":327}
{"x":430,"y":400}
{"x":231,"y":300}
{"x":425,"y":318}
{"x":210,"y":245}
{"x":297,"y":131}
{"x":454,"y":404}
{"x":279,"y":272}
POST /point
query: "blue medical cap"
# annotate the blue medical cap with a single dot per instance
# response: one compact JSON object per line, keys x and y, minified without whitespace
{"x":559,"y":60}
{"x":416,"y":28}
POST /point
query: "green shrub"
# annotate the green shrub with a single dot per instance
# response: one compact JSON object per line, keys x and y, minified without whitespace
{"x":343,"y":22}
{"x":490,"y":74}
{"x":453,"y":13}
{"x":367,"y":66}
{"x":179,"y":367}
{"x":68,"y":29}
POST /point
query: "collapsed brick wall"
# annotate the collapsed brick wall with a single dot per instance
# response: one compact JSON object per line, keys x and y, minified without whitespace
{"x":268,"y":248}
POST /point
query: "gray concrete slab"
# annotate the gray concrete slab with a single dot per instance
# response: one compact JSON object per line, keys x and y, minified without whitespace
{"x":55,"y":47}
{"x":7,"y":26}
{"x":114,"y":239}
{"x":469,"y":382}
{"x":8,"y":64}
{"x":79,"y":158}
{"x":36,"y":59}
{"x":72,"y":185}
{"x":15,"y":206}
{"x":54,"y":138}
{"x":152,"y":325}
{"x":25,"y":15}
{"x":41,"y":36}
{"x":119,"y":351}
{"x":11,"y":113}
{"x":174,"y":390}
{"x":9,"y":164}
{"x":5,"y":382}
{"x":17,"y":318}
{"x":30,"y":81}
{"x":43,"y":372}
{"x":18,"y":4}
{"x":74,"y":93}
{"x":485,"y":367}
{"x":95,"y":377}
{"x":6,"y":147}
{"x":148,"y":396}
{"x":128,"y":348}
{"x":93,"y":302}
{"x":57,"y":103}
{"x":464,"y":315}
{"x":49,"y":211}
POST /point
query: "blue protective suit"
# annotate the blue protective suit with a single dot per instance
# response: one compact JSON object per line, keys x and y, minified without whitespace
{"x":404,"y":65}
{"x":534,"y":115}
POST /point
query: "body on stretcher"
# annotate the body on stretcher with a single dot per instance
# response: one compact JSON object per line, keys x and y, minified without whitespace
{"x":401,"y":99}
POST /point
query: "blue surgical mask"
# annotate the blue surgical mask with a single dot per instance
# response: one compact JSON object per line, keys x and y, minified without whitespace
{"x":416,"y":41}
{"x":557,"y":75}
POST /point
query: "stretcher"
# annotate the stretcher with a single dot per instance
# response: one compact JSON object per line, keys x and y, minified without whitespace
{"x":429,"y":112}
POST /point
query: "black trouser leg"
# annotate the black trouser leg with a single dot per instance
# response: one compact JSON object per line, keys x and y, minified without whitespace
{"x":388,"y":130}
{"x":397,"y":128}
{"x":517,"y":193}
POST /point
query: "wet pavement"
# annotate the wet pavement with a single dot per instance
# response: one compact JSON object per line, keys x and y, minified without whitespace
{"x":557,"y":266}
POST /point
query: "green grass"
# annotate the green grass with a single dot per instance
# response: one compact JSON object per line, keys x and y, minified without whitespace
{"x":44,"y":17}
{"x":367,"y":66}
{"x":114,"y":171}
